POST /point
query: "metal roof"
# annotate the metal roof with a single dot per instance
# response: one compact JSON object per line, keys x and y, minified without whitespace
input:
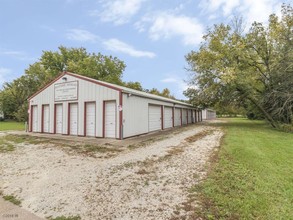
{"x":131,"y":91}
{"x":114,"y":86}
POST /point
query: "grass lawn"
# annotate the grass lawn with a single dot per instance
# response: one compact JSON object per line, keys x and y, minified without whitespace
{"x":11,"y":125}
{"x":252,"y":175}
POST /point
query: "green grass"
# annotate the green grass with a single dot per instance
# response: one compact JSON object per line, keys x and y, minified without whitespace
{"x":11,"y":125}
{"x":7,"y":143}
{"x":12,"y":199}
{"x":6,"y":147}
{"x":251,"y":176}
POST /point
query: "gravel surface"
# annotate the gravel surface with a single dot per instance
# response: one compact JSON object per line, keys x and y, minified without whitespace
{"x":149,"y":182}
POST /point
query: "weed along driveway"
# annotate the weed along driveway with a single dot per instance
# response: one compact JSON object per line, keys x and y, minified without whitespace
{"x":144,"y":179}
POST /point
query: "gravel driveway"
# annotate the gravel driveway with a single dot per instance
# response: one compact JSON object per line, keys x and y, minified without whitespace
{"x":148,"y":182}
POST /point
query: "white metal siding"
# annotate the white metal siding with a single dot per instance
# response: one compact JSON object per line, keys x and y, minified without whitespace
{"x":199,"y":116}
{"x":59,"y":119}
{"x":90,"y":119}
{"x":193,"y":116}
{"x":135,"y":115}
{"x":168,"y":117}
{"x":87,"y":91}
{"x":155,"y":119}
{"x":135,"y":112}
{"x":208,"y":114}
{"x":110,"y":119}
{"x":204,"y":114}
{"x":177,"y":117}
{"x":46,"y":119}
{"x":73,"y":124}
{"x":135,"y":108}
{"x":184,"y":116}
{"x":35,"y":119}
{"x":189,"y":116}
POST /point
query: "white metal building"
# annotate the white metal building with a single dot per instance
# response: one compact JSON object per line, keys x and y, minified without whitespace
{"x":77,"y":105}
{"x":208,"y":114}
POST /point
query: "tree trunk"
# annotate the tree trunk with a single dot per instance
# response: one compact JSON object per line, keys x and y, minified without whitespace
{"x":267,"y":115}
{"x":273,"y":123}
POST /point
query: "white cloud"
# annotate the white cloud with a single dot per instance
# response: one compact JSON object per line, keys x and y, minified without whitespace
{"x":19,"y":55}
{"x":251,"y":10}
{"x":179,"y":83}
{"x":118,"y":11}
{"x":4,"y":73}
{"x":259,"y":10}
{"x":165,"y":25}
{"x":119,"y":46}
{"x":226,"y":6}
{"x":81,"y":35}
{"x":12,"y":53}
{"x":169,"y":80}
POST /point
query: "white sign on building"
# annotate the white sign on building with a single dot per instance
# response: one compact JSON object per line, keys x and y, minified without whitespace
{"x":66,"y":91}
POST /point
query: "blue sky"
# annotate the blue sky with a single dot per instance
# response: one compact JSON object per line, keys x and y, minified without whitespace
{"x":150,"y":36}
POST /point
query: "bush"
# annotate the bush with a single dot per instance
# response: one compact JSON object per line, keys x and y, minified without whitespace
{"x":287,"y":128}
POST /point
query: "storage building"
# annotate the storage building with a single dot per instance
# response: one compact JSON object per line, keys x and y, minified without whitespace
{"x":77,"y":105}
{"x":208,"y":114}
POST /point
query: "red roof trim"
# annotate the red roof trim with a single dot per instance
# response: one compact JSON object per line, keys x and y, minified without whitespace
{"x":93,"y":81}
{"x":77,"y":76}
{"x":46,"y":86}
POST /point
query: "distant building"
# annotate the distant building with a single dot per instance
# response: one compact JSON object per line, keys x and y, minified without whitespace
{"x":1,"y":114}
{"x":208,"y":114}
{"x":77,"y":105}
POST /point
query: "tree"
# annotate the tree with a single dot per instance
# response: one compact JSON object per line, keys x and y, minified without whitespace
{"x":154,"y":91}
{"x":133,"y":85}
{"x":246,"y":69}
{"x":14,"y":96}
{"x":165,"y":93}
{"x":77,"y":60}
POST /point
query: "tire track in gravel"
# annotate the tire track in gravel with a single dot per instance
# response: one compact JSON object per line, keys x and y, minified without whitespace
{"x":156,"y":186}
{"x":150,"y":182}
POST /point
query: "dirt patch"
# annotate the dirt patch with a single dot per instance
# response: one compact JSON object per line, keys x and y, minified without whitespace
{"x":198,"y":136}
{"x":149,"y":182}
{"x":92,"y":150}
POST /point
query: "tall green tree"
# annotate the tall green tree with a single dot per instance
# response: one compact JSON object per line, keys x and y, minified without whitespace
{"x":134,"y":85}
{"x":165,"y":93}
{"x":77,"y":60}
{"x":245,"y":69}
{"x":13,"y":97}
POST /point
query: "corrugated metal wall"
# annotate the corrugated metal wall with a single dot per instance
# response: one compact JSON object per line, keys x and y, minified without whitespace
{"x":208,"y":114}
{"x":87,"y":91}
{"x":135,"y":114}
{"x":184,"y":116}
{"x":135,"y":109}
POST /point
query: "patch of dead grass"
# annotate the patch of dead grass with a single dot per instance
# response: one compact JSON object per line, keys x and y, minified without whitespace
{"x":175,"y":151}
{"x":142,"y":172}
{"x":198,"y":136}
{"x":67,"y":146}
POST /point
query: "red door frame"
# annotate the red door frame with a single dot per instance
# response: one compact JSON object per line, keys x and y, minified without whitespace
{"x":104,"y":118}
{"x":68,"y":122}
{"x":173,"y":117}
{"x":55,"y":117}
{"x":162,"y":117}
{"x":84,"y":116}
{"x":42,"y":128}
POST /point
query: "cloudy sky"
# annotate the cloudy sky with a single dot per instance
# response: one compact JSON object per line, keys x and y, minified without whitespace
{"x":150,"y":36}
